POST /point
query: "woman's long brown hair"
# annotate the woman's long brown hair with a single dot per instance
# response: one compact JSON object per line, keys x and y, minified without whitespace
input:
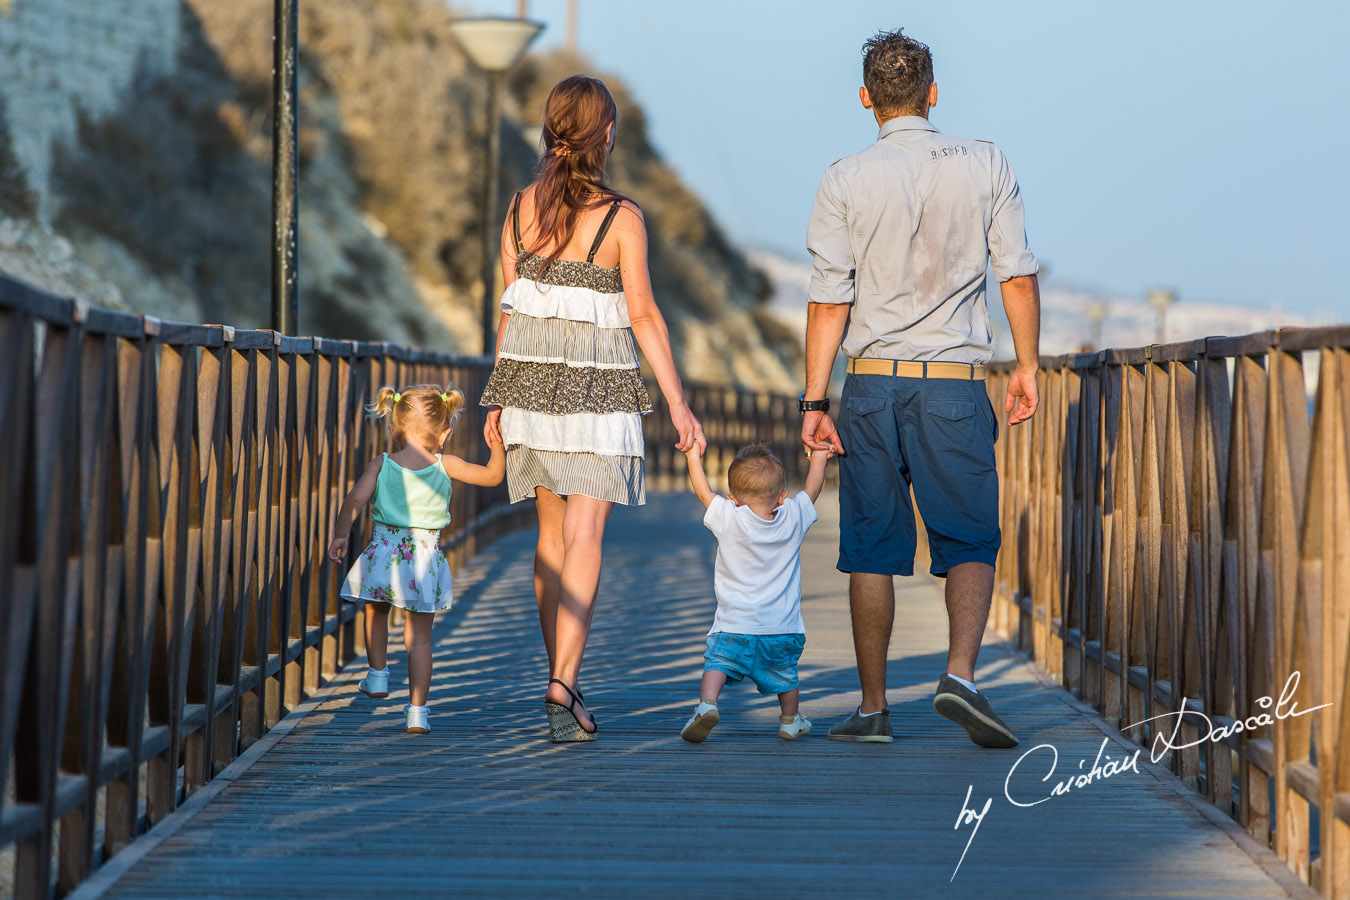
{"x":571,"y":173}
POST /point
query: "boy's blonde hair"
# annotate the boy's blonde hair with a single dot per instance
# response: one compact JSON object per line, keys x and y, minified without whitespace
{"x":421,"y":412}
{"x":756,"y":472}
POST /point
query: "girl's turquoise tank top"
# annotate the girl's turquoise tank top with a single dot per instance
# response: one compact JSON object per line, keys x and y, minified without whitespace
{"x":412,"y":498}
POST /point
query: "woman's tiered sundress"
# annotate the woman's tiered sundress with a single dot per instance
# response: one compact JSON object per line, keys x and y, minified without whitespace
{"x":567,"y":379}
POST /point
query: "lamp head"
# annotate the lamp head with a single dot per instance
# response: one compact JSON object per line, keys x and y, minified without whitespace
{"x":495,"y":43}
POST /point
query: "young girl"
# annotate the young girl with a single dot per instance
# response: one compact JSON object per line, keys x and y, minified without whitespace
{"x":403,"y":565}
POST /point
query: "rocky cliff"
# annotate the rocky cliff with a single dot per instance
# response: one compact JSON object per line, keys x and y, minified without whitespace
{"x":160,"y":199}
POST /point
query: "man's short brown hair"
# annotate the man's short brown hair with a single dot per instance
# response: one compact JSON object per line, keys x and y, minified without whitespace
{"x":897,"y":72}
{"x":756,"y":472}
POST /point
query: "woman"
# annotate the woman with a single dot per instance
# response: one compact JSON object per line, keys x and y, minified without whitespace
{"x":566,"y":395}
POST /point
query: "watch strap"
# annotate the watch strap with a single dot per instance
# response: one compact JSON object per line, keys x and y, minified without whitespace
{"x":805,"y":406}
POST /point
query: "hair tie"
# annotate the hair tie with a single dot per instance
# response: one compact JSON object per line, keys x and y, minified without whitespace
{"x":397,"y":396}
{"x":445,"y":398}
{"x":562,"y":150}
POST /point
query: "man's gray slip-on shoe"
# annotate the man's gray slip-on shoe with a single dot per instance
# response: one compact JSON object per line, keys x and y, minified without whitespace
{"x":874,"y":729}
{"x":971,"y":710}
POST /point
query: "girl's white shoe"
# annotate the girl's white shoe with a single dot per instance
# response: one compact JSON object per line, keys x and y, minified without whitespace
{"x":417,"y":719}
{"x":375,"y":684}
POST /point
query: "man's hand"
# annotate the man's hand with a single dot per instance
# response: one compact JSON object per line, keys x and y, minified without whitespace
{"x":1023,"y":394}
{"x":819,"y":433}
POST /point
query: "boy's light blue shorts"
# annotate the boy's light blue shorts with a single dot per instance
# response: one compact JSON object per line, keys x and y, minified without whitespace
{"x":769,"y":660}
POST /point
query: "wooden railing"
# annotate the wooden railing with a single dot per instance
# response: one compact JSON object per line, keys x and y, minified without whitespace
{"x":168,"y":493}
{"x":1176,"y":534}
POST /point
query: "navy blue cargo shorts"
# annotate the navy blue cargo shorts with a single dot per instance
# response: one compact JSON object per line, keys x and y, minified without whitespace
{"x":936,"y":434}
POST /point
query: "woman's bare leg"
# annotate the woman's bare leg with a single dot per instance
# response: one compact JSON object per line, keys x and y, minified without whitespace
{"x":548,"y":564}
{"x":417,"y":641}
{"x":583,"y":534}
{"x":377,"y":634}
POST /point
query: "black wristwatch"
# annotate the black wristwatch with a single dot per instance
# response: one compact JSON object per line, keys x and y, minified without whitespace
{"x":806,"y":406}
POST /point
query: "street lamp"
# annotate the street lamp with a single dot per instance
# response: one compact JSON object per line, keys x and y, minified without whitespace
{"x":493,"y":44}
{"x":1160,"y":300}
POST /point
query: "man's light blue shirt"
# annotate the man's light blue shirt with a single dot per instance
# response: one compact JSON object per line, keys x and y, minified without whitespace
{"x":905,"y":231}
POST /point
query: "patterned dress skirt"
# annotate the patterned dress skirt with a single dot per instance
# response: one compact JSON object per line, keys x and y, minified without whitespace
{"x":568,"y":382}
{"x":402,"y":566}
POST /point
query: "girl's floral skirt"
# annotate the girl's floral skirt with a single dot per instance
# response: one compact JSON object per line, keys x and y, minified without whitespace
{"x":402,"y":566}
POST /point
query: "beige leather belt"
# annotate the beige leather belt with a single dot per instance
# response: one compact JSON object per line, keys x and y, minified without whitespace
{"x":910,"y":369}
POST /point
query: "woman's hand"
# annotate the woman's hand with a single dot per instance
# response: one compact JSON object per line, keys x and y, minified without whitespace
{"x":688,"y":428}
{"x":492,"y":427}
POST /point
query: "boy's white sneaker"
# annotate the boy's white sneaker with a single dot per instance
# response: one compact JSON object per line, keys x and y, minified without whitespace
{"x":375,"y":684}
{"x":798,"y":727}
{"x":701,"y":723}
{"x":417,"y":719}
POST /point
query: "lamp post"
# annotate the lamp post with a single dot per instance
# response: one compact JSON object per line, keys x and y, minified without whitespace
{"x":1160,"y":300}
{"x":493,"y":44}
{"x":285,"y":168}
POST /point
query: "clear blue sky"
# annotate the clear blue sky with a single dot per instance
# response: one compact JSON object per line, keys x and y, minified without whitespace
{"x":1195,"y":145}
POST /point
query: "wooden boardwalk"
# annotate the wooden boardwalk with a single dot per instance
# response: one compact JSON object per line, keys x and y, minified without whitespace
{"x":346,"y":805}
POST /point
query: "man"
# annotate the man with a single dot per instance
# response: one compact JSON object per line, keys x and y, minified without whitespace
{"x":901,"y":235}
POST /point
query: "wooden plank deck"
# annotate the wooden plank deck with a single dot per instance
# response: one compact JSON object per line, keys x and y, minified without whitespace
{"x":348,"y":806}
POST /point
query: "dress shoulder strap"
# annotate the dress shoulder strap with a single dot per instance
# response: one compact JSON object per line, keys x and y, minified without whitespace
{"x":515,"y":220}
{"x":604,"y":229}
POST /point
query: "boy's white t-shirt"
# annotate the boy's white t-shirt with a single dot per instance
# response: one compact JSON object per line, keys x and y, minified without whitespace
{"x":758,"y":576}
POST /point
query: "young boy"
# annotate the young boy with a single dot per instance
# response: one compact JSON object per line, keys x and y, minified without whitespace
{"x":758,"y":630}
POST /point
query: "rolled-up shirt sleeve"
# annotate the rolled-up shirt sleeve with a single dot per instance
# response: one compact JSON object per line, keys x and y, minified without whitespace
{"x":827,"y":240}
{"x":1009,"y":254}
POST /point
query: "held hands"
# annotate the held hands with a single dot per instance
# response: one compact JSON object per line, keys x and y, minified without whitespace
{"x":819,"y":433}
{"x":1022,"y":393}
{"x":338,"y":549}
{"x":688,"y":428}
{"x":492,"y":427}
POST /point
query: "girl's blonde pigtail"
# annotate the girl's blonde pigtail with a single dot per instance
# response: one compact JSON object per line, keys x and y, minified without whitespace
{"x":383,"y":405}
{"x":454,"y":404}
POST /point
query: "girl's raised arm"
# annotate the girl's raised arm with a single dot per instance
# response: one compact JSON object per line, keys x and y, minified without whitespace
{"x":649,"y":326}
{"x":489,"y":475}
{"x":358,"y":497}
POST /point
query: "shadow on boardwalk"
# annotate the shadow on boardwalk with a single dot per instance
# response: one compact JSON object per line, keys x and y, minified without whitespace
{"x":348,"y":806}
